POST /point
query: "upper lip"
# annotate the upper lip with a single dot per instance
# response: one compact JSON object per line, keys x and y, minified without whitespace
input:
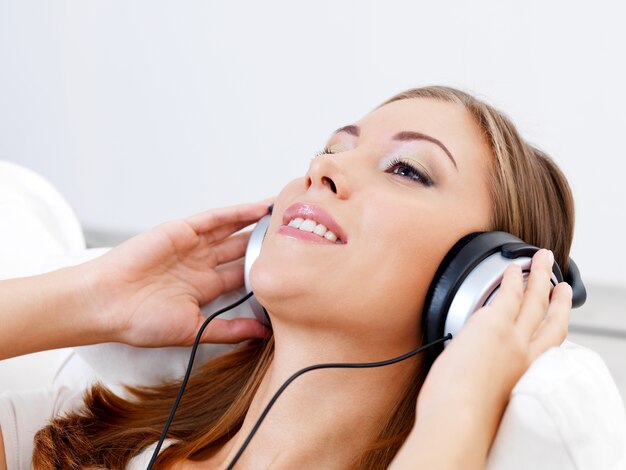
{"x":316,"y":213}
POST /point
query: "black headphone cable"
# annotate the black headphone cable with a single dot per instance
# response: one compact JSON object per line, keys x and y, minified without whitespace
{"x":356,"y":365}
{"x":192,"y":356}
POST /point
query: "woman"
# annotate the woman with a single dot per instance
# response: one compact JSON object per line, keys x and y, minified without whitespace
{"x":402,"y":185}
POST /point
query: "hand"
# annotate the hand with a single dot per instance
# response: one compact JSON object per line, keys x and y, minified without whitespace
{"x":149,"y":290}
{"x":482,"y":364}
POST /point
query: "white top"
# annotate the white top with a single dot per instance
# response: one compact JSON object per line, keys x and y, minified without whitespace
{"x":565,"y":413}
{"x":141,"y":460}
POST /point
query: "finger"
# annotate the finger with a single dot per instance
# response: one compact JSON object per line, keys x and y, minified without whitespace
{"x":211,"y":219}
{"x":233,"y":331}
{"x":509,"y":297}
{"x":268,"y":201}
{"x":230,"y":275}
{"x":552,"y":331}
{"x":232,"y":248}
{"x":220,"y":280}
{"x":537,"y":294}
{"x":220,"y":233}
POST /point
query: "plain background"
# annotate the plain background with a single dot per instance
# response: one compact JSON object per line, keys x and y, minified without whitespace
{"x":143,"y":111}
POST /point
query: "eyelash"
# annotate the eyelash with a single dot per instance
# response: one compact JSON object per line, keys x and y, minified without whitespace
{"x":419,"y":177}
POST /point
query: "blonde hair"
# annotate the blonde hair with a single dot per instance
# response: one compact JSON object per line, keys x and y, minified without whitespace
{"x":531,"y":200}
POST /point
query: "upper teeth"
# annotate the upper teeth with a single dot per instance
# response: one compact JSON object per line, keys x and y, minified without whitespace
{"x":309,"y":225}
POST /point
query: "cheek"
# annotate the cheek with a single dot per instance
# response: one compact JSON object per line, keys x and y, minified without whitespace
{"x":400,"y":254}
{"x":406,"y":238}
{"x":405,"y":247}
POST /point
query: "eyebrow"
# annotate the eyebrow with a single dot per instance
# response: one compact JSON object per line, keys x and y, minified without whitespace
{"x":411,"y":135}
{"x":404,"y":136}
{"x":352,"y":130}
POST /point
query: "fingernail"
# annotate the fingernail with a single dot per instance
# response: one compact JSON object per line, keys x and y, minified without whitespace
{"x":569,"y":289}
{"x":550,"y":257}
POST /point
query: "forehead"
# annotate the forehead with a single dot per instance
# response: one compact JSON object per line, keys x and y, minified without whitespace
{"x":448,"y":122}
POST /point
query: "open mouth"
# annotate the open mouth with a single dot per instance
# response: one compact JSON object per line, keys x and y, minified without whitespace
{"x":311,"y":226}
{"x":294,"y":232}
{"x":311,"y":222}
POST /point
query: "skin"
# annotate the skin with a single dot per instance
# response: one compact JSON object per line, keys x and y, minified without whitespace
{"x":327,"y":302}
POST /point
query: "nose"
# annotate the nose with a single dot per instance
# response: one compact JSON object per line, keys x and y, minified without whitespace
{"x":325,"y":173}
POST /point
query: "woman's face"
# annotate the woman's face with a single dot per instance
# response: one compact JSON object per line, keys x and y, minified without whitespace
{"x":398,"y":223}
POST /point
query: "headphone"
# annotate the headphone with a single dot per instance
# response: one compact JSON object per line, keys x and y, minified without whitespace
{"x":467,"y":279}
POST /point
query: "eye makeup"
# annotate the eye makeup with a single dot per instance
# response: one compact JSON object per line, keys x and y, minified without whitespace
{"x":406,"y":168}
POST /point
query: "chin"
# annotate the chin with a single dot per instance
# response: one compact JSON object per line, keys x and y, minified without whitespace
{"x":273,"y":282}
{"x":287,"y":290}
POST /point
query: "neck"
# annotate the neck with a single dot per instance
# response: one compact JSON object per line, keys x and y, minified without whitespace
{"x":325,"y":418}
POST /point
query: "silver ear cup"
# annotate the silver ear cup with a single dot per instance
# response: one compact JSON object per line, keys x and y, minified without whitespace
{"x":252,"y":253}
{"x":480,"y":287}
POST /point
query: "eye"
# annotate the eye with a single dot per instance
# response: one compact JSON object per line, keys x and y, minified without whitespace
{"x":325,"y":151}
{"x":407,"y":170}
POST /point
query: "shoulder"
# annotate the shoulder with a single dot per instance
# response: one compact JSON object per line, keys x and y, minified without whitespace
{"x":565,"y":412}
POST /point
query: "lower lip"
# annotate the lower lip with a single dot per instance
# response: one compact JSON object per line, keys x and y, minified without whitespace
{"x":302,"y":235}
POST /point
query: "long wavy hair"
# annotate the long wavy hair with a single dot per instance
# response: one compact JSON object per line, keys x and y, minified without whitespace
{"x":531,"y":199}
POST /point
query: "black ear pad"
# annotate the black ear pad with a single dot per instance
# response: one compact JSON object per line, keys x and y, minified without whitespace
{"x":572,"y":277}
{"x":462,"y":258}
